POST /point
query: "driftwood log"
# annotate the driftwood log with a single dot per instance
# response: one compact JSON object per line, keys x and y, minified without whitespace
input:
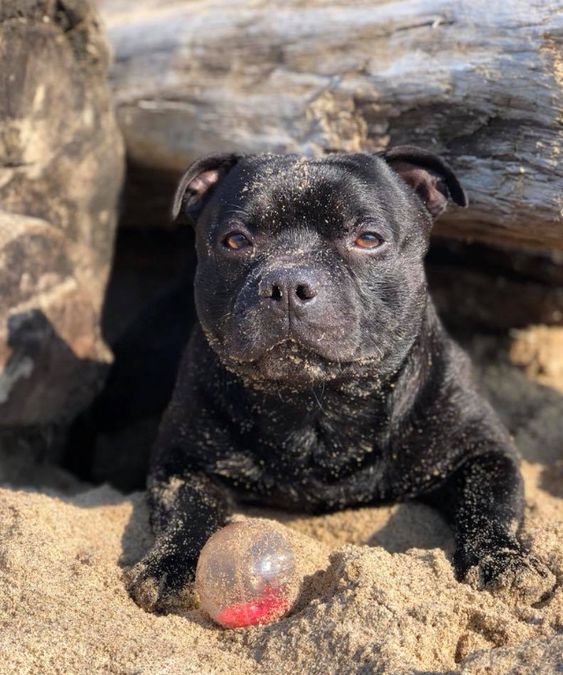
{"x":61,"y":166}
{"x":479,"y":81}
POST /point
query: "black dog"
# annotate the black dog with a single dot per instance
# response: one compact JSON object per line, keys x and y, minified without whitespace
{"x":320,"y":377}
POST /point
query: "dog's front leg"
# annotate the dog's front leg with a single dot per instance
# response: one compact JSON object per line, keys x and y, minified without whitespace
{"x":483,"y":501}
{"x":185,"y":511}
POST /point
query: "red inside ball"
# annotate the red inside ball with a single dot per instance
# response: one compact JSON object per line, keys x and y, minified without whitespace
{"x":271,"y":605}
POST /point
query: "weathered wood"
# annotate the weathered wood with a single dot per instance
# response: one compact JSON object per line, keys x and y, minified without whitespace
{"x":61,"y":166}
{"x":479,"y":81}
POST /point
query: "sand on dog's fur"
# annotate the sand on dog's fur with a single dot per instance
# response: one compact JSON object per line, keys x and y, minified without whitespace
{"x":387,"y":600}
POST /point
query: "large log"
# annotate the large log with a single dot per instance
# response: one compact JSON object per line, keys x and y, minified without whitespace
{"x":61,"y":167}
{"x":479,"y":81}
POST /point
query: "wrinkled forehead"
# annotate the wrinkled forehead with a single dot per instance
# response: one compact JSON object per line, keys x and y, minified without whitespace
{"x":329,"y":195}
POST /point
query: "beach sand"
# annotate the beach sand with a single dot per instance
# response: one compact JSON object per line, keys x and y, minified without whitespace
{"x":384,"y":599}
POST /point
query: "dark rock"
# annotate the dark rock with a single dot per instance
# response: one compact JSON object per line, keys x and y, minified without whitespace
{"x":61,"y":168}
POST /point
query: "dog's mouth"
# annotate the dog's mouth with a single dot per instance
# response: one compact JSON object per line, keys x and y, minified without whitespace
{"x":292,"y":364}
{"x":293,"y":351}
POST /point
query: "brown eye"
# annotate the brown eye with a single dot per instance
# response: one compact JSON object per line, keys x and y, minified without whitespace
{"x":368,"y":240}
{"x":235,"y":241}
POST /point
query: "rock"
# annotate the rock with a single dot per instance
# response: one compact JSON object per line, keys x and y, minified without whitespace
{"x":61,"y":168}
{"x":51,"y":350}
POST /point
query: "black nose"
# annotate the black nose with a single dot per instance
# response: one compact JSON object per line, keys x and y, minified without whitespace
{"x":292,"y":286}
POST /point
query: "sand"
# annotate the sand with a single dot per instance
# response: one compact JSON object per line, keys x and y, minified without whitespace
{"x":385,"y":600}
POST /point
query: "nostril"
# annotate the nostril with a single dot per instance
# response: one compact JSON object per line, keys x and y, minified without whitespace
{"x":305,"y":292}
{"x":276,"y":293}
{"x":283,"y":289}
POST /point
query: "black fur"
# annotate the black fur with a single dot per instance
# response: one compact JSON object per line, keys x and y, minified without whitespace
{"x":320,"y":377}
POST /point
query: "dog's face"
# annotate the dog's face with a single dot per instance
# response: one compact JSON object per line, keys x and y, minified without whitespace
{"x":312,"y":269}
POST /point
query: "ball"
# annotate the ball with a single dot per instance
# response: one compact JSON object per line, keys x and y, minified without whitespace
{"x":246,"y":574}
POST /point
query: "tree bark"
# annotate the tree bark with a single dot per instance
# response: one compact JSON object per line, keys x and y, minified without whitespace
{"x":477,"y":81}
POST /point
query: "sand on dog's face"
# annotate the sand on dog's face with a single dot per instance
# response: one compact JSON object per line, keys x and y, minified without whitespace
{"x":64,"y":609}
{"x":387,"y":602}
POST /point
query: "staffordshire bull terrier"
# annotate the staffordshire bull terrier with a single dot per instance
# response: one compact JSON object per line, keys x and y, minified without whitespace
{"x":319,"y":376}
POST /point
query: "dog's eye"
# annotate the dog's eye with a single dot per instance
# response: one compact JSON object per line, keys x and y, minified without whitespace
{"x":236,"y":241}
{"x":368,"y":240}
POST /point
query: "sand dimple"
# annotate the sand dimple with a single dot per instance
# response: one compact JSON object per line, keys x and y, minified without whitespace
{"x":396,"y":609}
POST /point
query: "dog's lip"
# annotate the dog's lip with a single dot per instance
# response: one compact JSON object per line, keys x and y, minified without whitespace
{"x":291,"y":347}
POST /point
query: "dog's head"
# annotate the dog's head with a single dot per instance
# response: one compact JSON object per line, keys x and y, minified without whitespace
{"x":312,"y":269}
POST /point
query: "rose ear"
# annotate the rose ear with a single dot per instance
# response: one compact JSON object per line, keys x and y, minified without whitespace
{"x":430,"y":177}
{"x":198,"y":182}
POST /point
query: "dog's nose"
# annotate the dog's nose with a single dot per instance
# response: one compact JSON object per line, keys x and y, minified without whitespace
{"x":289,"y":286}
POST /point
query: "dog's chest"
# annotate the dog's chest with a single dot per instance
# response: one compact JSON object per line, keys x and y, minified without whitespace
{"x":313,"y":461}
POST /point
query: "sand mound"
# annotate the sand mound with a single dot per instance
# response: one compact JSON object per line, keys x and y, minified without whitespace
{"x":385,"y":607}
{"x":386,"y":602}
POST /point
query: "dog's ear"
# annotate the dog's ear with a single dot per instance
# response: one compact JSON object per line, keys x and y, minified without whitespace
{"x":197,"y":183}
{"x":430,"y":177}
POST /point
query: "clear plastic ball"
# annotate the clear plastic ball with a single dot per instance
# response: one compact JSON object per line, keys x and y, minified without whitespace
{"x":246,"y":574}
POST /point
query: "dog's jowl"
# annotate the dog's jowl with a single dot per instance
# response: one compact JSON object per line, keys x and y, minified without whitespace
{"x":319,"y":376}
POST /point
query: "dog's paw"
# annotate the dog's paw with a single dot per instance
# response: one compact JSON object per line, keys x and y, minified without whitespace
{"x":156,"y":585}
{"x":513,"y":575}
